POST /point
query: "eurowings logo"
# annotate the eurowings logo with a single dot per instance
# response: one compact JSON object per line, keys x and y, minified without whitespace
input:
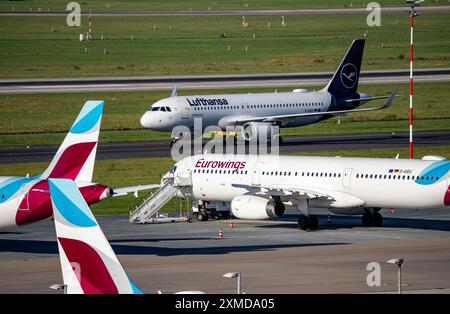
{"x":236,"y":165}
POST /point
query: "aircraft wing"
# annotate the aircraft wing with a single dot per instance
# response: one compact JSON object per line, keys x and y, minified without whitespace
{"x":387,"y":104}
{"x":336,"y":199}
{"x":133,"y":189}
{"x":279,"y":190}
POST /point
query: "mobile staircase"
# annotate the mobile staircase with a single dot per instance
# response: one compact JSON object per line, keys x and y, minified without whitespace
{"x":145,"y":212}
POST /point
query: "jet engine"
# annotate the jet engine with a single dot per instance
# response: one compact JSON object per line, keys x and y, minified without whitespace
{"x":255,"y":207}
{"x":254,"y":131}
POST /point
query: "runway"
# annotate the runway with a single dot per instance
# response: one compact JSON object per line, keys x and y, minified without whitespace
{"x":122,"y":150}
{"x":361,"y":10}
{"x":272,"y":256}
{"x":114,"y":84}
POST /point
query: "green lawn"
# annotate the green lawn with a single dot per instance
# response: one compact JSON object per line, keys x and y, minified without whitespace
{"x":186,"y":5}
{"x":198,"y":45}
{"x":45,"y":118}
{"x":126,"y":172}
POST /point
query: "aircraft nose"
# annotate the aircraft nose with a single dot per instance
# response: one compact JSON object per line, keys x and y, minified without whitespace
{"x":145,"y":120}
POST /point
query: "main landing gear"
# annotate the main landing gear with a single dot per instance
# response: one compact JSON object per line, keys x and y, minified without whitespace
{"x":372,"y":218}
{"x":305,"y":222}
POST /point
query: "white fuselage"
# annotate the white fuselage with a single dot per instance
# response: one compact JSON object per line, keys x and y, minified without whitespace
{"x":377,"y":182}
{"x":223,"y":110}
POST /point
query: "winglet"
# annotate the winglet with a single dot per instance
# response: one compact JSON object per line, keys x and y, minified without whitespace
{"x":89,"y":264}
{"x":388,"y":102}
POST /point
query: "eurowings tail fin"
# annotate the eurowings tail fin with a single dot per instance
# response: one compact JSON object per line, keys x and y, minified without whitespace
{"x":89,"y":264}
{"x":75,"y":157}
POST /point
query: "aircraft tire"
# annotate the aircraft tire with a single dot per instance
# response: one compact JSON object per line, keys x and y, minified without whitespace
{"x":303,"y":222}
{"x":378,"y":220}
{"x":367,"y":220}
{"x":314,"y":222}
{"x":202,"y":217}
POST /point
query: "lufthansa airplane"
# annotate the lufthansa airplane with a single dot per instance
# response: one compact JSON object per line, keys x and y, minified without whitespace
{"x":254,"y":115}
{"x":259,"y":187}
{"x":25,"y":200}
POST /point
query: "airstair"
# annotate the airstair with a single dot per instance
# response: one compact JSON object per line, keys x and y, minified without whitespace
{"x":152,"y":204}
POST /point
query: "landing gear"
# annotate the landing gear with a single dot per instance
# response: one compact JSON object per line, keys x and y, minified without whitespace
{"x":178,"y":137}
{"x":372,"y":218}
{"x":305,"y":222}
{"x":202,"y":216}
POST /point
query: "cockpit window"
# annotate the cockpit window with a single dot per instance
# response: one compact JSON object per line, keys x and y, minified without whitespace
{"x":165,"y":109}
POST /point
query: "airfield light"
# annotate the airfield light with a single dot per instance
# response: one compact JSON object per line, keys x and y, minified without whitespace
{"x":59,"y":287}
{"x":235,"y":275}
{"x":412,"y":13}
{"x":399,"y":263}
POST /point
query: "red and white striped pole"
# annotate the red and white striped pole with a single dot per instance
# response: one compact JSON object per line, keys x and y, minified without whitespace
{"x":90,"y":26}
{"x":412,"y":13}
{"x":411,"y":84}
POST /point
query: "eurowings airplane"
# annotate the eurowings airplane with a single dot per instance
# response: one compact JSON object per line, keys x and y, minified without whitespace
{"x":24,"y":200}
{"x":255,"y":114}
{"x":88,"y":263}
{"x":259,"y":187}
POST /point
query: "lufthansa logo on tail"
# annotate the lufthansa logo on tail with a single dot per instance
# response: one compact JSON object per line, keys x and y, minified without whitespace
{"x":349,"y":75}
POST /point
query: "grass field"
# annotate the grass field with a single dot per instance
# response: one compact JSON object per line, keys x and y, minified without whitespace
{"x":186,"y":5}
{"x":45,"y":118}
{"x":126,"y":172}
{"x":47,"y":47}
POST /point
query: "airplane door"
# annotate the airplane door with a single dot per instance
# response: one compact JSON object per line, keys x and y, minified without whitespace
{"x":185,"y":110}
{"x":256,"y":175}
{"x":346,"y":177}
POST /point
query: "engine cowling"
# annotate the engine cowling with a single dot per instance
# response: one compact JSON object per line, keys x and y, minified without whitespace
{"x":252,"y":131}
{"x":255,"y":207}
